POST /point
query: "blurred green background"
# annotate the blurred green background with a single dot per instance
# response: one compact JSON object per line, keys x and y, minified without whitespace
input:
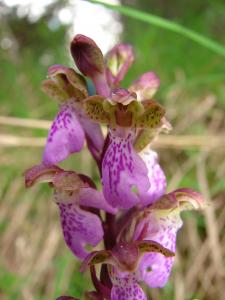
{"x":34,"y":262}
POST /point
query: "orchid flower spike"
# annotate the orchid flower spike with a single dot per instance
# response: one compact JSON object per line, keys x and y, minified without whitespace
{"x":134,"y":217}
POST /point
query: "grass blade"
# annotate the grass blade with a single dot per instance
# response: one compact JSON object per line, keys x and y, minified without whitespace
{"x":166,"y":24}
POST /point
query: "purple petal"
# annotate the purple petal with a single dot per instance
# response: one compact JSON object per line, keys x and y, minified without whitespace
{"x":146,"y":86}
{"x":160,"y":227}
{"x":126,"y":288}
{"x":155,"y":269}
{"x":122,"y":171}
{"x":156,"y":177}
{"x":65,"y":137}
{"x":93,"y":198}
{"x":118,"y":61}
{"x":80,"y":228}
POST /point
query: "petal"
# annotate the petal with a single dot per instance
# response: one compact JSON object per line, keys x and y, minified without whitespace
{"x":40,"y":173}
{"x":80,"y":228}
{"x":148,"y":135}
{"x":152,"y":115}
{"x":64,"y":83}
{"x":155,"y":269}
{"x":94,"y":258}
{"x":122,"y":171}
{"x":65,"y":137}
{"x":118,"y":62}
{"x":53,"y":90}
{"x":127,"y":291}
{"x":93,"y":198}
{"x":70,"y":81}
{"x":156,"y":177}
{"x":125,"y":287}
{"x":146,"y":86}
{"x":95,"y":110}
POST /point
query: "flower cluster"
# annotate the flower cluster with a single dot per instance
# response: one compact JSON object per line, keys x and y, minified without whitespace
{"x":132,"y":216}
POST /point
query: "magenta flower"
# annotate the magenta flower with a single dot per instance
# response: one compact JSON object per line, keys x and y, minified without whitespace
{"x":71,"y":191}
{"x":71,"y":126}
{"x":124,"y":115}
{"x":122,"y":263}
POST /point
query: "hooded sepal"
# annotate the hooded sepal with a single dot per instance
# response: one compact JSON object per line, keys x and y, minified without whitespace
{"x":148,"y":135}
{"x":89,"y":60}
{"x":146,"y":86}
{"x":64,"y":83}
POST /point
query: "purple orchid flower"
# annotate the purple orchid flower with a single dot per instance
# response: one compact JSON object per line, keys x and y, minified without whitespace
{"x":72,"y":192}
{"x":71,"y":126}
{"x":146,"y":246}
{"x":124,"y":115}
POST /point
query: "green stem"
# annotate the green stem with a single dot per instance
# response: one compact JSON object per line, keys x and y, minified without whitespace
{"x":166,"y":24}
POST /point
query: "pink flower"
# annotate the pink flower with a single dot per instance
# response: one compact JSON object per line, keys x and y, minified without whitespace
{"x":72,"y":192}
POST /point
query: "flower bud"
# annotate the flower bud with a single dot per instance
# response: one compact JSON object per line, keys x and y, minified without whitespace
{"x":89,"y":60}
{"x":87,"y":55}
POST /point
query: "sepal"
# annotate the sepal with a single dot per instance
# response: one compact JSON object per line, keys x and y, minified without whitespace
{"x":64,"y":83}
{"x":40,"y":173}
{"x":118,"y":62}
{"x":146,"y":86}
